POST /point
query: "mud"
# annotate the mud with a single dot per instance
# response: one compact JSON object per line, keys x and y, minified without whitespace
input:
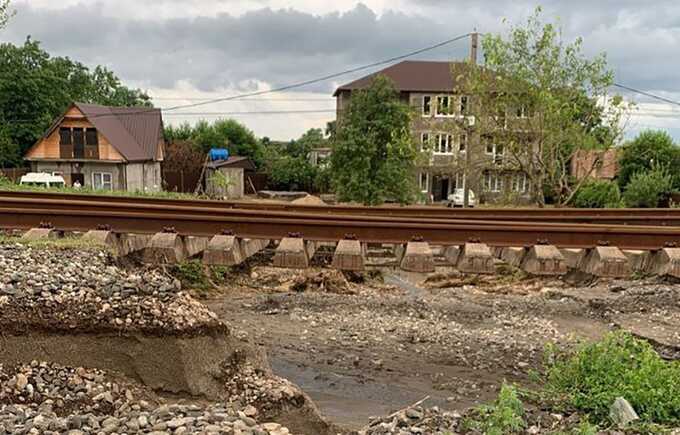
{"x":453,"y":338}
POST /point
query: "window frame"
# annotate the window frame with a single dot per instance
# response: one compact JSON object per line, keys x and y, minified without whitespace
{"x":87,"y":136}
{"x":516,"y":178}
{"x":495,"y":155}
{"x":462,"y":143}
{"x":425,"y":141}
{"x":493,"y":181}
{"x":427,"y":182}
{"x":463,"y":104}
{"x":70,"y":136}
{"x":439,"y":113}
{"x":103,"y":182}
{"x":427,"y":105}
{"x":447,"y":145}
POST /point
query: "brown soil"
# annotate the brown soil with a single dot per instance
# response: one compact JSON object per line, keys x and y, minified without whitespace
{"x":452,"y":338}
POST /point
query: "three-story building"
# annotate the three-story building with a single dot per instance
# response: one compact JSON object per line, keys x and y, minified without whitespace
{"x":454,"y":151}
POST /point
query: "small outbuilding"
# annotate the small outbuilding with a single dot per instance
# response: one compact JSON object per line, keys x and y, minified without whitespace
{"x":226,"y":178}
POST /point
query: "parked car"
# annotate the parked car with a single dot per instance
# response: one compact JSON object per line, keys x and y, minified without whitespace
{"x":42,"y":179}
{"x":456,"y":198}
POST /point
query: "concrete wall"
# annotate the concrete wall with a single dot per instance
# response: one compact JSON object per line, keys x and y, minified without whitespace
{"x":236,"y":188}
{"x":117,"y":171}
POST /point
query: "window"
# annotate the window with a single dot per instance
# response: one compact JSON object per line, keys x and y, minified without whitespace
{"x":463,"y":104}
{"x":519,"y":182}
{"x":445,"y":105}
{"x":462,"y":142}
{"x":79,"y":143}
{"x":423,"y":182}
{"x":427,"y":105}
{"x":424,"y":141}
{"x":524,"y":111}
{"x":443,"y":144}
{"x":493,"y":182}
{"x":102,"y":181}
{"x":496,"y":151}
{"x":91,"y":137}
{"x":65,"y":136}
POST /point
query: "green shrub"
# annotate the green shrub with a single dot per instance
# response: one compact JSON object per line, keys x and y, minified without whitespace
{"x":591,"y":376}
{"x":504,"y":416}
{"x":648,"y":189}
{"x":597,"y":194}
{"x":191,"y":274}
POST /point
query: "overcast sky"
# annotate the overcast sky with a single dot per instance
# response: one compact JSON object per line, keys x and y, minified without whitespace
{"x":181,"y":51}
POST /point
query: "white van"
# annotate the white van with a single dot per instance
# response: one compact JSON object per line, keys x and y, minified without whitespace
{"x":456,"y":198}
{"x":42,"y":179}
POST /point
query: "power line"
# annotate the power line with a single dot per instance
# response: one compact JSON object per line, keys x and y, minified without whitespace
{"x":263,"y":112}
{"x":324,"y":78}
{"x":299,"y":84}
{"x":648,"y":94}
{"x":329,"y":99}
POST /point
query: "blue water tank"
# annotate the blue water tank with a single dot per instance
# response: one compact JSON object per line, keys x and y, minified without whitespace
{"x":219,"y":154}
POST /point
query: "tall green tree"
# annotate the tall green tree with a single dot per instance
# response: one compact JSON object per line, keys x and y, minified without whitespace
{"x":543,"y":100}
{"x":289,"y":166}
{"x":374,"y":155}
{"x":35,"y":88}
{"x":5,"y":13}
{"x":649,"y":150}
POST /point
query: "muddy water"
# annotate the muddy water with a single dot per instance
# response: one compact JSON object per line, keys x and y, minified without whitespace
{"x":350,"y":401}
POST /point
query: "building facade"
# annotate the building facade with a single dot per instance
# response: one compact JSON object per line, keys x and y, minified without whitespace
{"x":453,"y":152}
{"x":103,"y":148}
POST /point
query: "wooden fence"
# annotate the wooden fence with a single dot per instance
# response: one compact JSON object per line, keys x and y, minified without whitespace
{"x":181,"y":181}
{"x":14,"y":174}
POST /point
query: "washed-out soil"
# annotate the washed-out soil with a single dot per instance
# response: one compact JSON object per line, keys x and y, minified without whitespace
{"x":362,"y":349}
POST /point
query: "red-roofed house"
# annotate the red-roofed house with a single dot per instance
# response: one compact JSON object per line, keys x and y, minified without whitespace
{"x":102,"y":147}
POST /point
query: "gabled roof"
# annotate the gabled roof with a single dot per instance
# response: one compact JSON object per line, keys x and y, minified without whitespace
{"x":414,"y":76}
{"x":133,"y":131}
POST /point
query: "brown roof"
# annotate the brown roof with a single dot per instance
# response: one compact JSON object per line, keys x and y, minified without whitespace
{"x":134,"y":131}
{"x":415,"y":75}
{"x":233,"y":161}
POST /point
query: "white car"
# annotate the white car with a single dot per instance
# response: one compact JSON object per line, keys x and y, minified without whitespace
{"x":42,"y":179}
{"x":456,"y":198}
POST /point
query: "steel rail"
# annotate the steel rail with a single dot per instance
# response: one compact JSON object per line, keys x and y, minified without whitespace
{"x":670,"y":217}
{"x":276,"y":227}
{"x":245,"y":214}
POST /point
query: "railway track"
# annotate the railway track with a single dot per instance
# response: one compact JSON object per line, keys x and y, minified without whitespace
{"x":228,"y":233}
{"x":150,"y":217}
{"x":651,"y":217}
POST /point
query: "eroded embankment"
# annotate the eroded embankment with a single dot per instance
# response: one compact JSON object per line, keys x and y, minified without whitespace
{"x":79,"y":309}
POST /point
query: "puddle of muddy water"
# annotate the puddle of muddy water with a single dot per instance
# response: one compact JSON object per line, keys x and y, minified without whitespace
{"x":346,"y":400}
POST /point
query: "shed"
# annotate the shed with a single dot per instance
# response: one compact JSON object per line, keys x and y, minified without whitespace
{"x":226,"y":178}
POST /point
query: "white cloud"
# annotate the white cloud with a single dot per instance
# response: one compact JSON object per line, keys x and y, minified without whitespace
{"x":255,"y":112}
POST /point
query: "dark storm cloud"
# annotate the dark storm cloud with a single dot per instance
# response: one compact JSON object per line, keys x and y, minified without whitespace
{"x":284,"y":46}
{"x":277,"y":47}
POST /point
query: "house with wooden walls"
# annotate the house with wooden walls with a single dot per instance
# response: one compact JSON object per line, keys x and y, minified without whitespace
{"x":102,"y":147}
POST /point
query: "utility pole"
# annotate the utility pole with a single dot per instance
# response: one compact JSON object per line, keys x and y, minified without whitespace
{"x":474,"y":43}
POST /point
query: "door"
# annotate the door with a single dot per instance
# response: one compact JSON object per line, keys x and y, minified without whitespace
{"x":80,"y":178}
{"x":440,"y":188}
